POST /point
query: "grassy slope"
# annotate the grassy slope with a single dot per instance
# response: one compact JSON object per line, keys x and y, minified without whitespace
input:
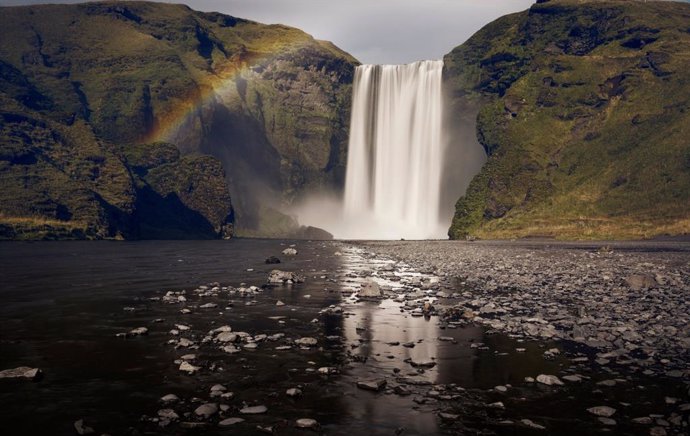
{"x":98,"y":78}
{"x":586,"y":116}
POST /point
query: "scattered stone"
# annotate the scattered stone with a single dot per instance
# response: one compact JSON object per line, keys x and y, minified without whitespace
{"x":168,"y":414}
{"x":290,"y":252}
{"x":549,"y":380}
{"x":138,"y":331}
{"x":82,"y":429}
{"x":306,"y":423}
{"x":604,"y":411}
{"x":278,"y":277}
{"x":422,"y":363}
{"x":253,"y":410}
{"x":24,"y":372}
{"x":189,"y":368}
{"x":293,"y":392}
{"x":640,"y":282}
{"x":371,"y":385}
{"x":531,"y":424}
{"x":206,"y":410}
{"x":230,"y":421}
{"x":170,"y":398}
{"x":271,"y":261}
{"x":370,"y":289}
{"x":306,"y":342}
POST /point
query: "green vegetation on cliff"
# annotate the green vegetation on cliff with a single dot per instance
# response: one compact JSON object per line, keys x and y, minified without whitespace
{"x":84,"y":87}
{"x":585,"y":115}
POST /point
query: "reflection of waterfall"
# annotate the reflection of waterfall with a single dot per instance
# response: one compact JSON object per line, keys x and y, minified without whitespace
{"x":395,"y":152}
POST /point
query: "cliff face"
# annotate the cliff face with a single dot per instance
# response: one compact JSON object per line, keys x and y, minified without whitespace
{"x":584,"y":111}
{"x":270,"y":102}
{"x":61,"y":182}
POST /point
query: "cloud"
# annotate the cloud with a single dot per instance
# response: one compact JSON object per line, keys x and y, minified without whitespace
{"x":374,"y":31}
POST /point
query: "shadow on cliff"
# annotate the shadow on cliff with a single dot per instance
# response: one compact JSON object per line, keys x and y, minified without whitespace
{"x":167,"y":217}
{"x":251,"y":163}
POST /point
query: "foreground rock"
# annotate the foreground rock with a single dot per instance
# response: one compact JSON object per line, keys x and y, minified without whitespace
{"x":549,"y":380}
{"x":253,"y":410}
{"x":370,"y":289}
{"x":82,"y":429}
{"x":371,"y":385}
{"x":278,"y":277}
{"x":22,"y":372}
{"x":230,"y":421}
{"x":206,"y":410}
{"x":306,"y":423}
{"x":604,"y":411}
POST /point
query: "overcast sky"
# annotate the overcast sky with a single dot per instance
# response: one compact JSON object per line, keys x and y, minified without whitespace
{"x":374,"y":31}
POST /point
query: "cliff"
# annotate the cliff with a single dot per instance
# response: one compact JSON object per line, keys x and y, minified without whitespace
{"x":584,"y":112}
{"x":84,"y":87}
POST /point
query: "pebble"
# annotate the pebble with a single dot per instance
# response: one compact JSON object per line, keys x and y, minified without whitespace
{"x":82,"y":429}
{"x":139,"y":331}
{"x":253,"y":410}
{"x":531,"y":424}
{"x":306,"y":423}
{"x":306,"y":342}
{"x":371,"y":385}
{"x":189,"y":368}
{"x":604,"y":411}
{"x":549,"y":380}
{"x":206,"y":410}
{"x":170,"y":398}
{"x":293,"y":392}
{"x":230,"y":421}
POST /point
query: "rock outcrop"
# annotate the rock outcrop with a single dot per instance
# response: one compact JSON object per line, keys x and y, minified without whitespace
{"x":583,"y":108}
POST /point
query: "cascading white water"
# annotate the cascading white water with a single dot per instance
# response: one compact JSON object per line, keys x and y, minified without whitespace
{"x":395,"y":156}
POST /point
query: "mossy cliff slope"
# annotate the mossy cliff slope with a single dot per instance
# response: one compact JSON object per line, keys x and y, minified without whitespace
{"x":104,"y":78}
{"x":61,"y":182}
{"x":585,"y":115}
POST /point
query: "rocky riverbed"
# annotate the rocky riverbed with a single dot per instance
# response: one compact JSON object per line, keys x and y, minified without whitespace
{"x":371,"y":338}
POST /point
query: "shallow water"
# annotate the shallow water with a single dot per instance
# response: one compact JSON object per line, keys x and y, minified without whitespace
{"x":63,"y":303}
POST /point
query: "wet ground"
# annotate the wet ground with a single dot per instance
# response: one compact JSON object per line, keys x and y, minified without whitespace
{"x":63,"y":303}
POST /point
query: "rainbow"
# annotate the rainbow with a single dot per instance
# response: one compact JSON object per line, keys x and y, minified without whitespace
{"x":170,"y":123}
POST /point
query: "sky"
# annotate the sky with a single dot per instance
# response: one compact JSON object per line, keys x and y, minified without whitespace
{"x":373,"y":31}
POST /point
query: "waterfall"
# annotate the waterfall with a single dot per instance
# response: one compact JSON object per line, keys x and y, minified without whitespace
{"x":395,"y":154}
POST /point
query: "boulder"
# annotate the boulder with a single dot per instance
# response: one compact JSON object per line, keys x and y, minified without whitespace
{"x":370,"y":289}
{"x":278,"y":277}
